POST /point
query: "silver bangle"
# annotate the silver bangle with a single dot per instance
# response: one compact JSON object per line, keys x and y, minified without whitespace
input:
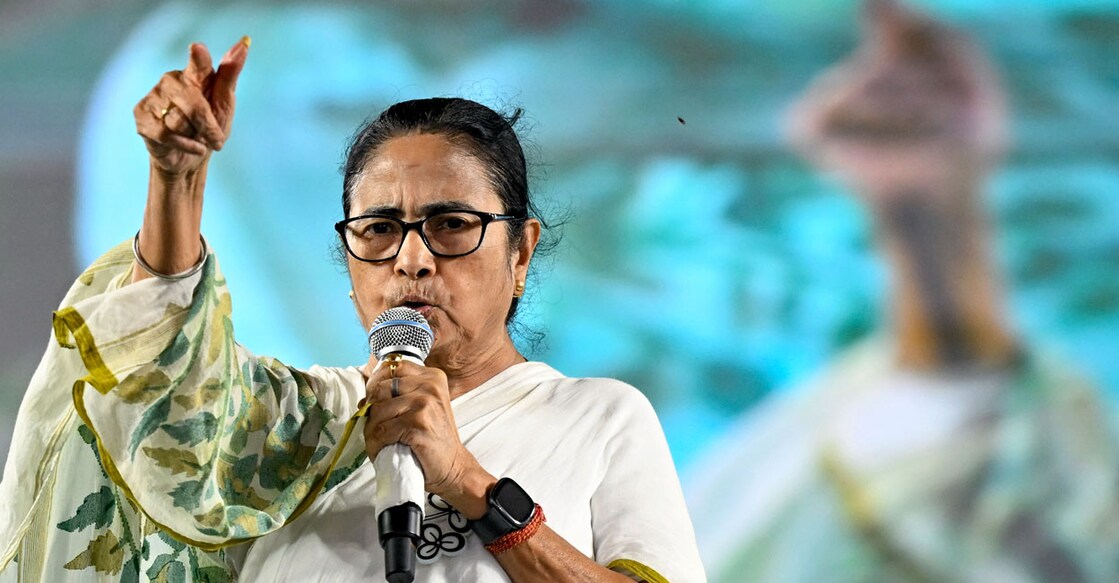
{"x":177,"y":276}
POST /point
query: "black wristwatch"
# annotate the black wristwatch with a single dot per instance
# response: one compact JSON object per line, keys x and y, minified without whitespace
{"x":509,"y":509}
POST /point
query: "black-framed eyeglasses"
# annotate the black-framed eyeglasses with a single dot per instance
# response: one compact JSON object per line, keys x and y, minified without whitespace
{"x":376,"y":238}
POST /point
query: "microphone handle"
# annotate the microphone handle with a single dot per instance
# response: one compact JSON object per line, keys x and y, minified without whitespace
{"x":399,"y":499}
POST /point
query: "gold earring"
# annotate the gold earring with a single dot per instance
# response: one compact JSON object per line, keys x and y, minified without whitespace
{"x":519,"y":290}
{"x":351,"y":294}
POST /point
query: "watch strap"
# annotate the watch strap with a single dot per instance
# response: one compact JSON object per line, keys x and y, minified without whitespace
{"x":517,"y":537}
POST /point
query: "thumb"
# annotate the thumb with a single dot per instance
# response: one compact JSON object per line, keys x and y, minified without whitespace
{"x":200,"y":66}
{"x":224,"y":86}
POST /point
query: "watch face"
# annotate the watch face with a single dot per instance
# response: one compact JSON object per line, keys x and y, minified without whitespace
{"x":515,"y":503}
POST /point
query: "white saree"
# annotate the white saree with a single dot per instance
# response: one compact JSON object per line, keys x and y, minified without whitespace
{"x":590,"y":453}
{"x":180,"y":444}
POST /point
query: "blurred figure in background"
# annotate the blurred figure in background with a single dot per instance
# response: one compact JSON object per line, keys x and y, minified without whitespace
{"x":943,"y":450}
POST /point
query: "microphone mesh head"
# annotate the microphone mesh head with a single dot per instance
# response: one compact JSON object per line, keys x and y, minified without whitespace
{"x":401,"y":330}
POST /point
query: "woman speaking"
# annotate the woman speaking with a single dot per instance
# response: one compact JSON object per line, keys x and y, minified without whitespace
{"x":192,"y":459}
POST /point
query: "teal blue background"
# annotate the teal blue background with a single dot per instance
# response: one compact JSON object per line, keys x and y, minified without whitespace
{"x":700,"y":260}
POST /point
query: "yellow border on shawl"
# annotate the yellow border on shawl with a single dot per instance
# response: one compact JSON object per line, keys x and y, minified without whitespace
{"x":68,"y":322}
{"x":70,"y":319}
{"x":630,"y":566}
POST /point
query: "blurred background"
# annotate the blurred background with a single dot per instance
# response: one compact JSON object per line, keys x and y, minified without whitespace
{"x":700,"y":260}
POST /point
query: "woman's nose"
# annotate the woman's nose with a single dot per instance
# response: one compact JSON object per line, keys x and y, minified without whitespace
{"x":415,"y":259}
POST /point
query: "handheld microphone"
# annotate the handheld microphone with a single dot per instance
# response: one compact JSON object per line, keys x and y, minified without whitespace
{"x":399,"y":495}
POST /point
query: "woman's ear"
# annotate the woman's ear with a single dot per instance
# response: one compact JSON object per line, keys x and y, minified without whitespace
{"x":530,"y":236}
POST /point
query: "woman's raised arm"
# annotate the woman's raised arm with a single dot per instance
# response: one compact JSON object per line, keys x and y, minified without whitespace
{"x":183,"y":119}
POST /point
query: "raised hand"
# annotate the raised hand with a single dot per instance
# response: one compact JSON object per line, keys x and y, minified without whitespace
{"x":183,"y":119}
{"x":189,"y":113}
{"x":915,"y":106}
{"x":914,"y":120}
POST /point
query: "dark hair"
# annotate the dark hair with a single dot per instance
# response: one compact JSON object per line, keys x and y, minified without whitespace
{"x":479,"y":130}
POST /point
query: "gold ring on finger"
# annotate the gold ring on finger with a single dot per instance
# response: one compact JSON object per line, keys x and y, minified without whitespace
{"x":163,"y":113}
{"x":394,"y":361}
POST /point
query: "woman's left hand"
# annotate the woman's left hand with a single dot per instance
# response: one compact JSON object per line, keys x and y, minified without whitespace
{"x":421,"y":418}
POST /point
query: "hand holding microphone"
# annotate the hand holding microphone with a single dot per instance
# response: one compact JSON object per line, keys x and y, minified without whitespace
{"x":410,"y":432}
{"x":398,"y":335}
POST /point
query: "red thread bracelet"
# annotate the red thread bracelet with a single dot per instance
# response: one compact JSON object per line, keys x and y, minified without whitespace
{"x":515,"y":538}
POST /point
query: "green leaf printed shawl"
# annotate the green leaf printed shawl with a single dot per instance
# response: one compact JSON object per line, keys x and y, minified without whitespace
{"x":241,"y":443}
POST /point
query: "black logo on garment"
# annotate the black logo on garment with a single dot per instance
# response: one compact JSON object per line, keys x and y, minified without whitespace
{"x":443,"y":532}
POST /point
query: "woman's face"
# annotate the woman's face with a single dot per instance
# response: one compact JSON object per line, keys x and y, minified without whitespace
{"x":464,"y":298}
